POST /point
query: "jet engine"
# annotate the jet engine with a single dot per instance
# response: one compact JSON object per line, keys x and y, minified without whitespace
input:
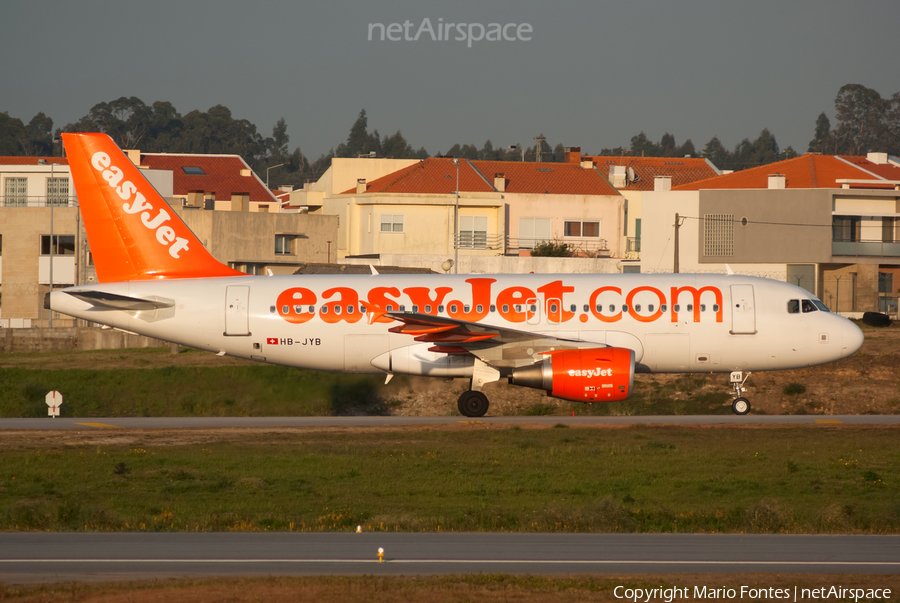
{"x":591,"y":375}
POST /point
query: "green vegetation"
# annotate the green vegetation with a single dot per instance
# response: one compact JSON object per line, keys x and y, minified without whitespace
{"x":793,"y":389}
{"x":550,"y":249}
{"x":179,"y":391}
{"x":638,"y":479}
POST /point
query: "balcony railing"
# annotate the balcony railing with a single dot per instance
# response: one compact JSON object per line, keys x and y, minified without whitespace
{"x":589,"y":246}
{"x":632,"y":244}
{"x":887,"y":249}
{"x":480,"y":240}
{"x":20,"y":201}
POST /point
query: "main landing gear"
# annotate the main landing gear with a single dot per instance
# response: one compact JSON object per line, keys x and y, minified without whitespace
{"x":740,"y":405}
{"x":473,"y":403}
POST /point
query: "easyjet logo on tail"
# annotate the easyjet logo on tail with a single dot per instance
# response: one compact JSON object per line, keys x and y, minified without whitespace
{"x":136,"y":202}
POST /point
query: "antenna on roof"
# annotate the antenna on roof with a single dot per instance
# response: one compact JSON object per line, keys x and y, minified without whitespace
{"x":630,"y":174}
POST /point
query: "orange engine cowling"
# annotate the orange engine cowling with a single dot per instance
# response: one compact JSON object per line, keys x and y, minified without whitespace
{"x":592,"y":375}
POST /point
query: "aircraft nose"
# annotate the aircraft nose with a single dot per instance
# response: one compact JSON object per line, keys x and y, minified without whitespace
{"x":851,"y":339}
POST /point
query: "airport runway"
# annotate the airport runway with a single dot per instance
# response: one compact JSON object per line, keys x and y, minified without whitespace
{"x":228,"y":422}
{"x":48,"y":557}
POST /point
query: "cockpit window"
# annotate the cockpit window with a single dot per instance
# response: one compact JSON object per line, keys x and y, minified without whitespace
{"x":793,"y":306}
{"x":808,"y":306}
{"x":821,"y":306}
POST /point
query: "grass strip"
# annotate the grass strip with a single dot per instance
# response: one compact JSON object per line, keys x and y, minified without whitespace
{"x":798,"y":479}
{"x":480,"y":588}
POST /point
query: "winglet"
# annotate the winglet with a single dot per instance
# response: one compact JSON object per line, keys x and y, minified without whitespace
{"x":372,"y":268}
{"x":133,"y":233}
{"x":729,"y":270}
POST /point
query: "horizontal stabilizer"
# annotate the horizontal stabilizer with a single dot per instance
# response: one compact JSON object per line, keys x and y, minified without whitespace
{"x":111,"y":301}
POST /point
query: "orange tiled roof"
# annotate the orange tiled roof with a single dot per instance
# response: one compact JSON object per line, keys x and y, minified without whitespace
{"x":806,"y":171}
{"x":682,"y":170}
{"x":32,"y":160}
{"x":437,"y":176}
{"x":221,"y":175}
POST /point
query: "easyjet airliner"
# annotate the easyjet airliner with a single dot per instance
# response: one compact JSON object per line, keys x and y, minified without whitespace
{"x":579,"y":337}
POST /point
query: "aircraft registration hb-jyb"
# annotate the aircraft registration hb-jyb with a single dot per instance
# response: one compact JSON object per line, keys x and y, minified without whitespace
{"x":579,"y":337}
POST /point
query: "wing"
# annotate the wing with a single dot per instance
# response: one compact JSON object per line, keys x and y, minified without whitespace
{"x":497,"y":346}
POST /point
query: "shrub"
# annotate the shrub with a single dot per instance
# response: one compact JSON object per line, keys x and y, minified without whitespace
{"x":794,"y":389}
{"x":551,"y":249}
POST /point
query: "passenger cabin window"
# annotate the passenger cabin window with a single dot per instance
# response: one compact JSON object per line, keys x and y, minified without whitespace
{"x":793,"y":306}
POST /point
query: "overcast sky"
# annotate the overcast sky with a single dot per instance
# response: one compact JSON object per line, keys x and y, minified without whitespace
{"x":588,"y":73}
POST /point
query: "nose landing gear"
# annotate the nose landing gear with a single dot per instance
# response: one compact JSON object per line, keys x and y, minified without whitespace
{"x":740,"y":405}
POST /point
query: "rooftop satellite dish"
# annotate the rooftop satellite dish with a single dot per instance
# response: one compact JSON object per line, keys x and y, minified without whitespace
{"x":630,"y":171}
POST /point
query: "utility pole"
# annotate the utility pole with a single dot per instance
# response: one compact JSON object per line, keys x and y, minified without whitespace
{"x":677,"y":225}
{"x":456,"y":222}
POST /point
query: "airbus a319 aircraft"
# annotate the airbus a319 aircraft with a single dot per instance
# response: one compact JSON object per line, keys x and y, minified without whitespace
{"x":578,"y":337}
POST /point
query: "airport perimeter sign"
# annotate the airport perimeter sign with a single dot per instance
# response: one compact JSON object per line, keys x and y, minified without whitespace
{"x":54,"y":401}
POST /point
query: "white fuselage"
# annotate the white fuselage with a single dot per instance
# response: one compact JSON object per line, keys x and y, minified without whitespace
{"x":674,"y":323}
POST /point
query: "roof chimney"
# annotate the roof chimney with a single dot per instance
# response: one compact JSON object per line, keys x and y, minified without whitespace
{"x":573,"y":154}
{"x":618,"y":176}
{"x":134,"y":155}
{"x":879,"y":158}
{"x":777,"y":181}
{"x":360,"y":186}
{"x":587,"y":164}
{"x":500,"y":182}
{"x":662,"y":183}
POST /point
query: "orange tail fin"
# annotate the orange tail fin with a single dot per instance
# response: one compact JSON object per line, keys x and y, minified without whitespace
{"x":133,"y":233}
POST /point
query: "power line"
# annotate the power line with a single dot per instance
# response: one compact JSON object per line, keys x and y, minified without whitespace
{"x":741,"y":221}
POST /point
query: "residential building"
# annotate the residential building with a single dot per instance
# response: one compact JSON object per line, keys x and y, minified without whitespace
{"x":632,"y":176}
{"x":504,"y":208}
{"x":220,"y":182}
{"x":827,"y":223}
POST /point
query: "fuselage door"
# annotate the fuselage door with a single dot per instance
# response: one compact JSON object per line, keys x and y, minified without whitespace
{"x":237,"y":310}
{"x":533,"y":312}
{"x":554,"y":311}
{"x":743,"y":310}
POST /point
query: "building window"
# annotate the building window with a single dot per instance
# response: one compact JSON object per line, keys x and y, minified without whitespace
{"x":283,"y":244}
{"x":391,"y":222}
{"x":582,"y":228}
{"x":886,"y":282}
{"x":193,"y":170}
{"x":473,"y":232}
{"x":888,"y":230}
{"x":58,"y":191}
{"x":533,"y":231}
{"x":16,"y":192}
{"x":62,"y":245}
{"x":718,"y":234}
{"x":845,"y":228}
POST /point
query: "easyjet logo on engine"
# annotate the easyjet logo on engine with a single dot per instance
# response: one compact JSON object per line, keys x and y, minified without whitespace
{"x":591,"y":373}
{"x":136,"y":202}
{"x":517,"y":304}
